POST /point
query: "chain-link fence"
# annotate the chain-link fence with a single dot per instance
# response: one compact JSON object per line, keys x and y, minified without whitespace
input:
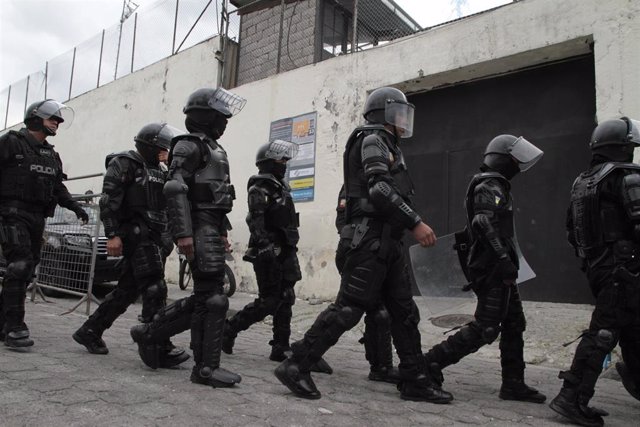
{"x":153,"y":33}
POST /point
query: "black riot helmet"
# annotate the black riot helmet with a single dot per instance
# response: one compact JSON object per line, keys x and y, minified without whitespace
{"x":508,"y":155}
{"x":47,"y":109}
{"x":616,"y":139}
{"x":273,"y":156}
{"x":154,"y":138}
{"x":208,"y":109}
{"x":388,"y":105}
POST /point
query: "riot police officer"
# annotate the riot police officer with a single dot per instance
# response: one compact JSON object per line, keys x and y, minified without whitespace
{"x":133,"y":211}
{"x":603,"y":225}
{"x":377,"y":323}
{"x":378,"y":211}
{"x":273,"y":223}
{"x":30,"y":187}
{"x":199,"y":195}
{"x":493,"y":269}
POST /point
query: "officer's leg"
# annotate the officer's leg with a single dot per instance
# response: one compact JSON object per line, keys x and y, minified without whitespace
{"x":269,"y":278}
{"x":114,"y":304}
{"x":416,"y":383}
{"x":17,"y":250}
{"x":169,"y":321}
{"x":580,"y":380}
{"x":485,"y":328}
{"x":207,"y":326}
{"x":282,"y":317}
{"x":629,"y":369}
{"x":512,"y":354}
{"x":377,"y":346}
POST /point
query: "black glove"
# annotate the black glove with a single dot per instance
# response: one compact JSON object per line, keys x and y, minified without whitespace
{"x":266,"y":254}
{"x":82,"y":215}
{"x":506,"y":270}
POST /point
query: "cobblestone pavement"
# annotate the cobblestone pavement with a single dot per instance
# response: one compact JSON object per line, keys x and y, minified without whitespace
{"x":58,"y":383}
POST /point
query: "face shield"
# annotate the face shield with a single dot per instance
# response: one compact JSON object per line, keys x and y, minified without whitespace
{"x":634,"y":132}
{"x":400,"y":115}
{"x":55,"y":109}
{"x":281,"y":150}
{"x":226,"y":102}
{"x":525,"y":153}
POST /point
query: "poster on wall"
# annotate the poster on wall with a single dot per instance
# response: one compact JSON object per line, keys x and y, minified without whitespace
{"x":300,"y":130}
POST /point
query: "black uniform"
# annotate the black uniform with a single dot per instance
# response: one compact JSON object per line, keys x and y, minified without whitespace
{"x":199,"y":195}
{"x":602,"y":224}
{"x":378,"y":210}
{"x":273,"y":222}
{"x":30,"y":187}
{"x":499,"y":308}
{"x":377,"y":322}
{"x":133,"y":208}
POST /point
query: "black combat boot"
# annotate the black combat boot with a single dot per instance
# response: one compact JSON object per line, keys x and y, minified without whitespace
{"x":172,"y":356}
{"x":297,"y":379}
{"x":386,"y":374}
{"x":279,"y":352}
{"x":91,"y":339}
{"x":18,"y":339}
{"x":228,"y":338}
{"x":421,"y":389}
{"x":573,"y":406}
{"x":214,"y":377}
{"x":516,"y":389}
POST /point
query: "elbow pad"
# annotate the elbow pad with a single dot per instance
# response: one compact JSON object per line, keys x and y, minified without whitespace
{"x":383,"y":196}
{"x":178,"y":208}
{"x":482,"y":224}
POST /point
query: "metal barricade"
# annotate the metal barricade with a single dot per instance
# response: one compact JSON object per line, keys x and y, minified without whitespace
{"x":74,"y":255}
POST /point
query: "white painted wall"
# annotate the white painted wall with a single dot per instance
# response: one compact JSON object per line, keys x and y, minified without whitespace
{"x":517,"y":35}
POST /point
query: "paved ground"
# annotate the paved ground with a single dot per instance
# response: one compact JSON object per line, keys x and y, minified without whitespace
{"x":58,"y":383}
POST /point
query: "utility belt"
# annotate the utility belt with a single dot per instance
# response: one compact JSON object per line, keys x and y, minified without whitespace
{"x":622,"y":252}
{"x":367,"y":227}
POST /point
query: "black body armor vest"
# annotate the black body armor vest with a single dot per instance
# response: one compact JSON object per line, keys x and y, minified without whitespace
{"x":211,"y":184}
{"x":280,"y":216}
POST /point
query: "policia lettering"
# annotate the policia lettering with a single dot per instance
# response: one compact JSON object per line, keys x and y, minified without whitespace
{"x":30,"y":188}
{"x":603,"y":225}
{"x":199,"y":194}
{"x":492,"y":266}
{"x":133,"y":211}
{"x":378,"y":210}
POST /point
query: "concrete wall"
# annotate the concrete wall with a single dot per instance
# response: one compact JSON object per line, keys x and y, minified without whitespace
{"x":518,"y":35}
{"x":259,"y":37}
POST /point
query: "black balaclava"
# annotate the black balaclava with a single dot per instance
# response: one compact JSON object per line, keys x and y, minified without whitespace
{"x":208,"y":122}
{"x":276,"y":169}
{"x":36,"y":124}
{"x":149,"y":153}
{"x":503,"y":164}
{"x":612,"y":153}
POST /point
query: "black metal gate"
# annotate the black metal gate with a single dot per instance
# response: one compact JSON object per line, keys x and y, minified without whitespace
{"x":553,"y":106}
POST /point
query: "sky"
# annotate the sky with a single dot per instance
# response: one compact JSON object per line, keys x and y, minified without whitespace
{"x":34,"y":31}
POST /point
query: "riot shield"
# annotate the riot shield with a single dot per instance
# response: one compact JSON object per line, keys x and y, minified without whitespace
{"x":440,"y":278}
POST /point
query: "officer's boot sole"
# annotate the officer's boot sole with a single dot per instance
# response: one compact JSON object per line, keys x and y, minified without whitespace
{"x":19,"y":343}
{"x":89,"y":345}
{"x":565,"y":412}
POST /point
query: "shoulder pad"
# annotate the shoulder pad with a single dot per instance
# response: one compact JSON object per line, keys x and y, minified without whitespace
{"x":195,"y":137}
{"x":131,"y":155}
{"x":362,"y":129}
{"x":608,"y":168}
{"x":264,"y":178}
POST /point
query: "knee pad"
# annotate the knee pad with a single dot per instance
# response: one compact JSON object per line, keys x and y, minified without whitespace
{"x":158,"y":290}
{"x":217,"y":303}
{"x":19,"y":270}
{"x":289,"y":296}
{"x":488,"y":332}
{"x":381,"y":317}
{"x":606,"y":339}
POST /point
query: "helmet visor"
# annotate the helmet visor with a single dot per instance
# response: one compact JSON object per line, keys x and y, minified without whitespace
{"x":57,"y":110}
{"x":400,"y":115}
{"x":226,"y":102}
{"x":525,"y":153}
{"x":166,"y":134}
{"x":634,"y":131}
{"x":281,"y":150}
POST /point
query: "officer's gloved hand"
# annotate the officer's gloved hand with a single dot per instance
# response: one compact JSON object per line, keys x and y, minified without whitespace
{"x":266,"y":254}
{"x":506,"y":270}
{"x":82,"y":215}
